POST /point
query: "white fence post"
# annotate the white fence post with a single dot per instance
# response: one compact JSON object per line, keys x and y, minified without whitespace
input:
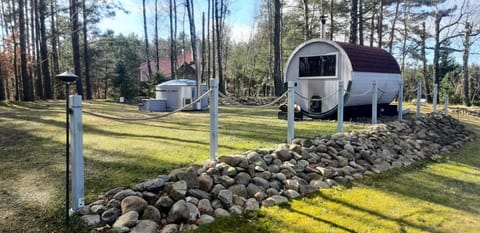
{"x":340,"y":107}
{"x":291,"y":112}
{"x":445,"y":105}
{"x":214,"y":119}
{"x":400,"y":101}
{"x":374,"y":103}
{"x":419,"y":99}
{"x":435,"y":97}
{"x":76,"y":143}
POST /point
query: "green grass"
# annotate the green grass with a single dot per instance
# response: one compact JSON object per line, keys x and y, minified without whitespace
{"x":441,"y":197}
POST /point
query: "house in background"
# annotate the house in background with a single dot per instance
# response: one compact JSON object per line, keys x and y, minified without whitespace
{"x":185,"y":69}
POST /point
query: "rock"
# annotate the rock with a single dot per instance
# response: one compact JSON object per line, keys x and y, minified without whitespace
{"x":153,"y":185}
{"x":192,"y":200}
{"x":170,"y":228}
{"x":187,"y":227}
{"x":145,"y":226}
{"x":326,"y":172}
{"x":128,"y":219}
{"x":226,"y":181}
{"x":242,"y":178}
{"x":164,"y":203}
{"x":238,"y":200}
{"x":225,"y":196}
{"x":206,"y":219}
{"x":260,"y":196}
{"x":261,"y":182}
{"x":111,"y":193}
{"x":291,"y":194}
{"x":123,"y":194}
{"x":193,"y":211}
{"x":178,"y":190}
{"x":198,"y":193}
{"x":219,"y":212}
{"x":300,"y":166}
{"x":205,"y":183}
{"x":274,"y":200}
{"x":280,"y":176}
{"x":150,"y":197}
{"x":205,"y":207}
{"x":349,"y":148}
{"x":252,"y":189}
{"x":252,"y":205}
{"x":110,"y":215}
{"x":191,"y":178}
{"x":271,"y":192}
{"x":232,"y":160}
{"x":217,"y":204}
{"x":91,"y":220}
{"x":133,"y":203}
{"x":239,"y":190}
{"x":179,"y":212}
{"x":319,"y":184}
{"x":152,"y":213}
{"x":283,"y":155}
{"x":97,"y":209}
{"x":235,"y":210}
{"x":114,"y":203}
{"x":177,"y":174}
{"x":120,"y":229}
{"x":292,"y":184}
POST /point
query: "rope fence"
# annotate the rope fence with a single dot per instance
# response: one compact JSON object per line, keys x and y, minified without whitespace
{"x":255,"y":106}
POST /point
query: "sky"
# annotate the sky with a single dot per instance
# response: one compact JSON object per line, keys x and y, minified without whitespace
{"x":241,"y":18}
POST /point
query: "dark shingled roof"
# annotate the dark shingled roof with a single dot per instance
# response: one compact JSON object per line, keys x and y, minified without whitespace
{"x":368,"y":59}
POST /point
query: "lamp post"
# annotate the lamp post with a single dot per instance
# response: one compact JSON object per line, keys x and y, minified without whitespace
{"x":68,"y":78}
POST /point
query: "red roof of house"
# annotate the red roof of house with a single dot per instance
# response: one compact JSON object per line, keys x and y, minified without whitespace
{"x":164,"y":65}
{"x":369,"y":59}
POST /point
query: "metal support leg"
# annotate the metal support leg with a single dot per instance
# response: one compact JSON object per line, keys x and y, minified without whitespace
{"x":76,"y":130}
{"x":291,"y":114}
{"x":214,"y":120}
{"x":340,"y":107}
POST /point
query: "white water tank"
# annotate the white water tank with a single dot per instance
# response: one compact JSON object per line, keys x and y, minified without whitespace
{"x":179,"y":93}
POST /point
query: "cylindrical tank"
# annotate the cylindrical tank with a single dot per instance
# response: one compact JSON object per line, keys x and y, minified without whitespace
{"x":179,"y":93}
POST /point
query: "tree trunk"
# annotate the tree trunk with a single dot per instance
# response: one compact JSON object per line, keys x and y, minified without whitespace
{"x":372,"y":27}
{"x":306,"y":22}
{"x":15,"y":56}
{"x":86,"y":58}
{"x":172,"y":42}
{"x":193,"y":39}
{"x":202,"y":74}
{"x":277,"y":59}
{"x":47,"y":84}
{"x":380,"y":24}
{"x":392,"y":31}
{"x":218,"y":17}
{"x":147,"y":53}
{"x":27,"y":90}
{"x":436,"y":51}
{"x":76,"y":45}
{"x":157,"y":53}
{"x":466,"y":51}
{"x":354,"y":22}
{"x":214,"y":73}
{"x":209,"y":63}
{"x":56,"y":68}
{"x":332,"y":26}
{"x":426,"y":82}
{"x":360,"y":21}
{"x":38,"y":60}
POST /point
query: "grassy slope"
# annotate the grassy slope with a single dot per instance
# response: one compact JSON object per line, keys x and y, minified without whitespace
{"x":121,"y":154}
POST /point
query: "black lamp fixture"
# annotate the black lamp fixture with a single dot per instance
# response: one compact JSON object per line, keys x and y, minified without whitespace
{"x":67,"y":77}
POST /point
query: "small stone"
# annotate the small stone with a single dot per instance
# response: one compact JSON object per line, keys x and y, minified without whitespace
{"x":179,"y":212}
{"x":274,"y":200}
{"x":280,"y":176}
{"x":252,"y":189}
{"x":292,"y":184}
{"x":150,"y":197}
{"x":97,"y":209}
{"x":164,"y":203}
{"x":188,"y":227}
{"x":272,"y":192}
{"x":226,"y":197}
{"x":153,"y":185}
{"x":170,"y":228}
{"x":120,"y":229}
{"x":152,"y":213}
{"x":231,"y":160}
{"x":238,"y":200}
{"x":206,"y":219}
{"x":198,"y":193}
{"x":226,"y":181}
{"x":91,"y":220}
{"x":235,"y":210}
{"x":193,"y":211}
{"x":191,"y":178}
{"x":252,"y":205}
{"x":216,"y":189}
{"x":178,"y":190}
{"x":133,"y":203}
{"x":123,"y":194}
{"x":110,"y":215}
{"x":145,"y":226}
{"x":205,"y":207}
{"x":114,"y":203}
{"x":319,"y":184}
{"x":192,"y":200}
{"x":205,"y":183}
{"x":219,"y":212}
{"x":283,"y":155}
{"x":291,"y":194}
{"x":260,"y":196}
{"x":128,"y":219}
{"x":261,"y":182}
{"x":239,"y":190}
{"x":242,"y":178}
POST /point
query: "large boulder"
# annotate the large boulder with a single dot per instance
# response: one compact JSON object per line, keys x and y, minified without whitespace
{"x":179,"y":212}
{"x":133,"y":203}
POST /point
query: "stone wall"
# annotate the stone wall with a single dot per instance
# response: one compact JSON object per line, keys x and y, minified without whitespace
{"x":196,"y":195}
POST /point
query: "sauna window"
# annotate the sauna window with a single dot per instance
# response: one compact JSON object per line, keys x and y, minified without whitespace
{"x":317,"y":66}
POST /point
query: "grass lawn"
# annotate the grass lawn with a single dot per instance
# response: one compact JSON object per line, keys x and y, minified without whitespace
{"x":431,"y":197}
